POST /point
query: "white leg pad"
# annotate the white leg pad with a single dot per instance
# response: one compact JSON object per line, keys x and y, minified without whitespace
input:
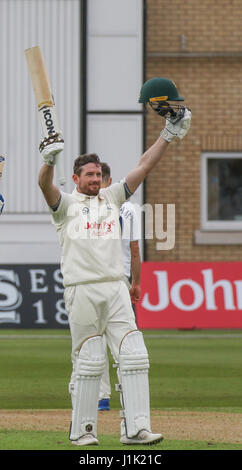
{"x":133,"y":376}
{"x":84,"y":387}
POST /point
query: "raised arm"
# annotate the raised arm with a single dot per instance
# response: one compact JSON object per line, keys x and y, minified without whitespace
{"x":153,"y":155}
{"x":50,"y":191}
{"x":148,"y":160}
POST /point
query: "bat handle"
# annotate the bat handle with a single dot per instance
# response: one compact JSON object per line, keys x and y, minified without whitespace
{"x":60,"y":169}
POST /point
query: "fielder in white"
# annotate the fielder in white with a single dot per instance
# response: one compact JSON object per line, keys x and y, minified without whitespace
{"x":97,"y":299}
{"x":130,"y":236}
{"x":1,"y":203}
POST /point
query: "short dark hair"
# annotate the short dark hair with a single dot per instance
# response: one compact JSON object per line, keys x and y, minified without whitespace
{"x":84,"y":160}
{"x":106,"y":172}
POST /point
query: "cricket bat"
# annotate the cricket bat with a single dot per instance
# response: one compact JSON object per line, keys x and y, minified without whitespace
{"x":45,"y":101}
{"x":2,"y":161}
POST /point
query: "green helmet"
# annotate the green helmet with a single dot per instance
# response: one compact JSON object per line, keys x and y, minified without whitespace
{"x":159,"y":89}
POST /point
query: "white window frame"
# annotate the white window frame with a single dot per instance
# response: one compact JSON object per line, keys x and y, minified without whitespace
{"x":205,"y":223}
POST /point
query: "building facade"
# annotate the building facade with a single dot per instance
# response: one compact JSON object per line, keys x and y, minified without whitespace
{"x":198,"y":45}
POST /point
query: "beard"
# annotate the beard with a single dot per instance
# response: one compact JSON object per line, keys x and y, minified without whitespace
{"x":90,"y":189}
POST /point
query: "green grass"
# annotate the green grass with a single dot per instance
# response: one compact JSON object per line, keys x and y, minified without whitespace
{"x":185,"y":373}
{"x":188,"y":371}
{"x":192,"y":374}
{"x":42,"y":440}
{"x":34,"y":373}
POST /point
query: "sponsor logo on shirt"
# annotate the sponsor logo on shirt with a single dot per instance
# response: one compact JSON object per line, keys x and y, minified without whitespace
{"x":100,"y":229}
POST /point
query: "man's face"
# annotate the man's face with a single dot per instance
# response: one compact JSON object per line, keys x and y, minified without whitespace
{"x":90,"y":179}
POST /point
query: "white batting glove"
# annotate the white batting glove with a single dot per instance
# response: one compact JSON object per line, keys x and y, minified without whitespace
{"x":50,"y":147}
{"x":178,"y":129}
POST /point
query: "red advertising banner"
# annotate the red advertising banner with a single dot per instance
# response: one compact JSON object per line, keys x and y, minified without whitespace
{"x":188,"y":295}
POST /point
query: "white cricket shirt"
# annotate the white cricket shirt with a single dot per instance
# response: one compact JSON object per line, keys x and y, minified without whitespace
{"x":90,"y":237}
{"x":130,"y":233}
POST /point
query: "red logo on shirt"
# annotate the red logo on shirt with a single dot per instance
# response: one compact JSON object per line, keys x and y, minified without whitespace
{"x":103,"y":227}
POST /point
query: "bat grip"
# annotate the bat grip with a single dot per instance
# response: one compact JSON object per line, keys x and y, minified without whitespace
{"x":60,"y":169}
{"x":50,"y":125}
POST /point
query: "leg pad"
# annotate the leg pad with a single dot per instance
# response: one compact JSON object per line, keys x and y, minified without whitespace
{"x":133,"y":376}
{"x":84,"y":387}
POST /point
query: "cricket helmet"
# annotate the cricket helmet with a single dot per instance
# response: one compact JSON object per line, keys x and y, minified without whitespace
{"x":159,"y":89}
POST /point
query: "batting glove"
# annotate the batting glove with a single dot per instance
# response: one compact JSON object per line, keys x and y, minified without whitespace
{"x":50,"y":147}
{"x":177,"y":129}
{"x":1,"y":203}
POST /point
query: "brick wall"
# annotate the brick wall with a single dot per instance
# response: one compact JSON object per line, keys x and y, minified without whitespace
{"x":209,"y":25}
{"x":212,"y":87}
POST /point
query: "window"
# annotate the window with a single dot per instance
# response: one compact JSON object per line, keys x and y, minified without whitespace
{"x":221,"y":191}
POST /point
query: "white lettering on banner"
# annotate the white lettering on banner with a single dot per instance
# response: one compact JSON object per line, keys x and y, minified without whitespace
{"x":59,"y":279}
{"x":61,"y":315}
{"x":10,"y":296}
{"x":36,"y":302}
{"x":163,"y":293}
{"x":210,"y":287}
{"x":238,"y":286}
{"x":40,"y":312}
{"x":37,"y":280}
{"x":176,"y":295}
{"x":201,"y":293}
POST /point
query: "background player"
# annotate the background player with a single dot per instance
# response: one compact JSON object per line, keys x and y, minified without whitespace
{"x":1,"y":203}
{"x":132,"y":267}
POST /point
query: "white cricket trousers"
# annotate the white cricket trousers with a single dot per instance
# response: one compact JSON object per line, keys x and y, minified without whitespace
{"x":94,"y":309}
{"x":105,"y":385}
